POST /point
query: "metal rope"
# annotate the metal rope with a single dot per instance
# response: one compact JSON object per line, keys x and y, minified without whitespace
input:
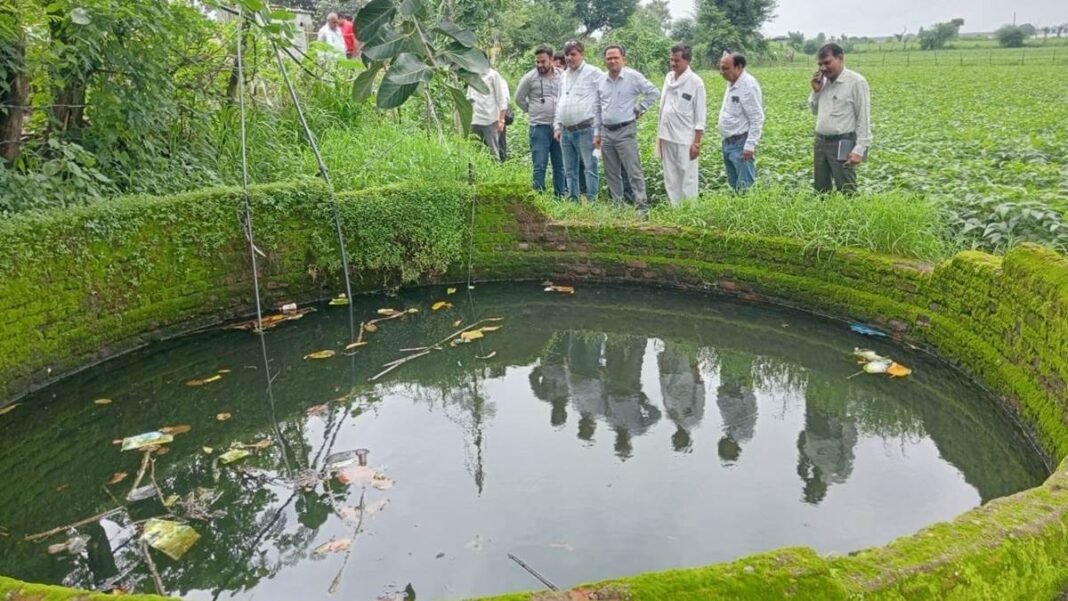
{"x":326,"y":178}
{"x":252,"y":250}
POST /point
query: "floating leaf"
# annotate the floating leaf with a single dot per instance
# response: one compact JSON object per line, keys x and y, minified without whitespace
{"x":224,"y":371}
{"x":387,"y":312}
{"x":440,"y":305}
{"x":8,"y":409}
{"x":207,"y":450}
{"x":489,"y":356}
{"x":450,"y":291}
{"x":172,"y":538}
{"x":233,"y":455}
{"x":102,"y":402}
{"x":490,"y":328}
{"x":353,"y":345}
{"x":560,"y":289}
{"x":224,"y":416}
{"x":259,"y":445}
{"x":320,"y":355}
{"x":170,"y":501}
{"x":117,"y":477}
{"x":457,"y":323}
{"x":896,"y":370}
{"x":877,"y":367}
{"x":471,"y":335}
{"x":208,"y":380}
{"x":339,"y":301}
{"x":179,"y":429}
{"x":133,"y":443}
{"x":334,"y":546}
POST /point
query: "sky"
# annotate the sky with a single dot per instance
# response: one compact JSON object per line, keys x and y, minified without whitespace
{"x":886,"y":17}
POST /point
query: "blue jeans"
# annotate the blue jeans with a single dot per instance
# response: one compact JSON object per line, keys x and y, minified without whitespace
{"x":543,"y":149}
{"x":579,"y":145}
{"x":741,"y":174}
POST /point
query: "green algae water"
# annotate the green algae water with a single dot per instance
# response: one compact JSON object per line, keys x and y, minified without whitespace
{"x":598,"y":434}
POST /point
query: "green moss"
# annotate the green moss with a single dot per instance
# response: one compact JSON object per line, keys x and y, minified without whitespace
{"x":13,"y":590}
{"x":90,"y":282}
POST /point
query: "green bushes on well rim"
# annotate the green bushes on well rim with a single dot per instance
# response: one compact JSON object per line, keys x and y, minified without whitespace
{"x":93,"y":281}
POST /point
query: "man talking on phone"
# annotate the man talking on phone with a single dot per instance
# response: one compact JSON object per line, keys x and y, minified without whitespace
{"x":841,"y":101}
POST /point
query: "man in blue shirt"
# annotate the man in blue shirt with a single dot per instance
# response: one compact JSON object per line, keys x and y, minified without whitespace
{"x":625,"y":96}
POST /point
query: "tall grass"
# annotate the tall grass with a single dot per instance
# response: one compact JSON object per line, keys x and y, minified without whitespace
{"x":892,"y":223}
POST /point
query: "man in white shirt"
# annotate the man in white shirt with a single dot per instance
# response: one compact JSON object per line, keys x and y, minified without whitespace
{"x":741,"y":121}
{"x":331,"y":34}
{"x":682,"y":124}
{"x":487,"y":119}
{"x":578,"y":119}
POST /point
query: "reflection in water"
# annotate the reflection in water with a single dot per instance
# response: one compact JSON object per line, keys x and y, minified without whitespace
{"x":737,"y":404}
{"x":615,"y":360}
{"x":683,"y":391}
{"x":825,"y":447}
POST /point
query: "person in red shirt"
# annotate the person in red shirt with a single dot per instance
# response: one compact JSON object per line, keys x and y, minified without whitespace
{"x":348,"y":31}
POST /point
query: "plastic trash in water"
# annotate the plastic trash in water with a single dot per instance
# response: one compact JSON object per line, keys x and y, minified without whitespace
{"x":132,"y":443}
{"x":865,"y":330}
{"x":171,"y":538}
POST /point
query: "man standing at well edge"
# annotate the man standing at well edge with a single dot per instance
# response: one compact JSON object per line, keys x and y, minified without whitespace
{"x":841,"y":101}
{"x":741,"y":121}
{"x":682,"y":124}
{"x":578,"y":118}
{"x":536,"y":95}
{"x":625,"y":96}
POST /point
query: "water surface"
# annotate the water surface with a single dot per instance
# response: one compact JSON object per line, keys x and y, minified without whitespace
{"x":614,"y":431}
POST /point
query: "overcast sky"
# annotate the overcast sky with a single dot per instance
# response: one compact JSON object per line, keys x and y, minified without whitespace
{"x":886,"y":17}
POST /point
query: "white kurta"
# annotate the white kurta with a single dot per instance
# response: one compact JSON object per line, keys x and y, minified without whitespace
{"x":682,"y":114}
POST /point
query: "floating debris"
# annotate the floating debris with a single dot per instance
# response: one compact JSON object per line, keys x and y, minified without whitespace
{"x":865,"y":330}
{"x":440,"y":305}
{"x":334,"y":546}
{"x":896,"y":370}
{"x":320,"y":354}
{"x":336,"y":461}
{"x":207,"y":450}
{"x":175,"y":430}
{"x":134,"y":443}
{"x":8,"y":409}
{"x":450,"y":291}
{"x":489,"y":356}
{"x":877,"y":367}
{"x":234,"y":455}
{"x":141,"y":493}
{"x":271,"y":321}
{"x":117,"y":477}
{"x":74,"y":545}
{"x":471,"y":335}
{"x":202,"y":381}
{"x":224,"y":416}
{"x":171,"y":538}
{"x":550,"y":287}
{"x":340,"y":300}
{"x":867,"y":354}
{"x":102,"y":402}
{"x":357,"y":344}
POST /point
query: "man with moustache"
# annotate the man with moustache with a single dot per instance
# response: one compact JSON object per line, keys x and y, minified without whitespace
{"x":841,"y":101}
{"x":577,"y":124}
{"x":625,"y":96}
{"x":741,"y":121}
{"x":682,"y":124}
{"x":536,"y":95}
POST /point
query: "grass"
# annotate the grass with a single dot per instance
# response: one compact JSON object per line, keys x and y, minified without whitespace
{"x":892,"y":223}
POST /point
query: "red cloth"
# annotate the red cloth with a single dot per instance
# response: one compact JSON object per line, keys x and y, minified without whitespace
{"x":348,"y":31}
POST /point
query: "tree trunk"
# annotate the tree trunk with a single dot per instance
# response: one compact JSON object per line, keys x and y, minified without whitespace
{"x":68,"y":101}
{"x":15,"y":91}
{"x":231,"y":84}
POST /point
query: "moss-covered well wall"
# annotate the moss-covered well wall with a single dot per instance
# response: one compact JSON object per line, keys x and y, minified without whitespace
{"x":82,"y":285}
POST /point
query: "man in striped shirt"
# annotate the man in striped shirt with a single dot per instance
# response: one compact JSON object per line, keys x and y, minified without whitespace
{"x":578,"y":119}
{"x":741,"y":121}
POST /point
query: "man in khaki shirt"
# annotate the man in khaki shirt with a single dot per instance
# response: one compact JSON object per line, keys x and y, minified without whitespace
{"x":841,"y":101}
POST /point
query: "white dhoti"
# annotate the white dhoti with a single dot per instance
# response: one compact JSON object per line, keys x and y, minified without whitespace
{"x":680,"y":173}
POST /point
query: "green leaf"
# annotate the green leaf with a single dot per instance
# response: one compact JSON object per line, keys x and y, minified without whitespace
{"x":392,"y":44}
{"x":464,"y":37}
{"x":391,"y":94}
{"x":474,"y":80}
{"x":371,"y":19}
{"x":410,"y":8}
{"x":407,"y":69}
{"x":463,"y":107}
{"x":79,"y":16}
{"x":361,"y":88}
{"x":470,"y":59}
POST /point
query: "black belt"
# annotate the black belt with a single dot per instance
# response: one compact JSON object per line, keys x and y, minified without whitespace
{"x":615,"y":126}
{"x":837,"y":137}
{"x":585,"y":124}
{"x":735,"y":138}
